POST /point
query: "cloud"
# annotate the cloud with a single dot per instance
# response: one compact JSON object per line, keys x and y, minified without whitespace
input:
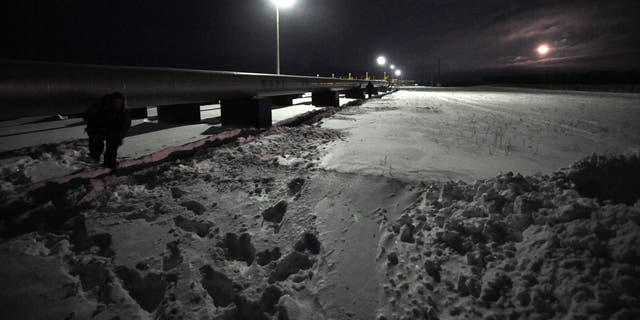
{"x":582,"y":34}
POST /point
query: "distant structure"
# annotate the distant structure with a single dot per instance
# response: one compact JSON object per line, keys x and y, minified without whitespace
{"x":405,"y":83}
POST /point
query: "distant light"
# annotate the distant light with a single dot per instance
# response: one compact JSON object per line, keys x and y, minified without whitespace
{"x":398,"y":73}
{"x":393,"y":66}
{"x":382,"y":60}
{"x":283,"y":3}
{"x":543,"y":49}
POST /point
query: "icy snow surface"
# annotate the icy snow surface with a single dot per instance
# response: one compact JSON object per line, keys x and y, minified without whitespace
{"x":477,"y":133}
{"x":348,"y":218}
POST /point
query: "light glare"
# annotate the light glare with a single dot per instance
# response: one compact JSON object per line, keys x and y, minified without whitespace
{"x":283,"y":3}
{"x":393,"y":66}
{"x":398,"y":73}
{"x":543,"y":49}
{"x":381,"y":60}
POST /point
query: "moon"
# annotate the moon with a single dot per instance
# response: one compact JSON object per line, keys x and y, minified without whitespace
{"x":543,"y":49}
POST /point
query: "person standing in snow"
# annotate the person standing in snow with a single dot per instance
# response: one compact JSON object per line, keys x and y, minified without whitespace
{"x":371,"y":90}
{"x":108,"y":122}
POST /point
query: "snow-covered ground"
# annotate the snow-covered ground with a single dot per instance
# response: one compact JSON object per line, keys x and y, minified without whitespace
{"x":352,"y":217}
{"x":41,"y":148}
{"x":477,"y":133}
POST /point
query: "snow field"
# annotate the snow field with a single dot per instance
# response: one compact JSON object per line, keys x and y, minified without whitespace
{"x":478,"y":133}
{"x":351,"y":218}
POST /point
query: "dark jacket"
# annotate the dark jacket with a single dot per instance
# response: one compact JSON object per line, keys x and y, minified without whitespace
{"x":371,"y":89}
{"x":106,"y":122}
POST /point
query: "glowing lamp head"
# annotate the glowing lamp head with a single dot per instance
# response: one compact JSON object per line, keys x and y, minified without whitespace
{"x":398,"y":73}
{"x":392,"y":66}
{"x":381,"y":60}
{"x":543,"y":49}
{"x":283,"y":3}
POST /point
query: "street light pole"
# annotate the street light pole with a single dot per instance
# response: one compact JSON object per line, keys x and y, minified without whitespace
{"x":382,"y":61}
{"x":392,"y":67}
{"x":277,"y":39}
{"x":280,"y":4}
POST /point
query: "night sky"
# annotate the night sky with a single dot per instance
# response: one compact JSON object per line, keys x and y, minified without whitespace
{"x":328,"y":36}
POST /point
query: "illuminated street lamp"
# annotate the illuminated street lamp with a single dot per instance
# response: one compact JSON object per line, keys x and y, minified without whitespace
{"x":381,"y":62}
{"x":392,"y":67}
{"x":280,"y":4}
{"x":398,"y":73}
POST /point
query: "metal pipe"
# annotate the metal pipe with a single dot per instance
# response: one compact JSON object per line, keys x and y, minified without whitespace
{"x":30,"y":88}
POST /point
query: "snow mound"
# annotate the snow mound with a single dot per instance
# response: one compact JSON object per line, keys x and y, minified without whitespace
{"x":608,"y":178}
{"x":518,"y":247}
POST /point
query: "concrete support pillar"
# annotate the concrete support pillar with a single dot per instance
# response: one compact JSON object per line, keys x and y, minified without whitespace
{"x":180,"y":113}
{"x":355,"y":93}
{"x":138,"y":113}
{"x":246,"y":112}
{"x":326,"y":99}
{"x":283,"y":101}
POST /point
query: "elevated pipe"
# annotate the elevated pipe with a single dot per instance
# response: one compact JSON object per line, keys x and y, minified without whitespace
{"x":29,"y":88}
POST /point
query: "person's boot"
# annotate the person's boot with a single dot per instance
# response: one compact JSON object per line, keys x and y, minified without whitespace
{"x":111,"y":165}
{"x":111,"y":154}
{"x":110,"y":160}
